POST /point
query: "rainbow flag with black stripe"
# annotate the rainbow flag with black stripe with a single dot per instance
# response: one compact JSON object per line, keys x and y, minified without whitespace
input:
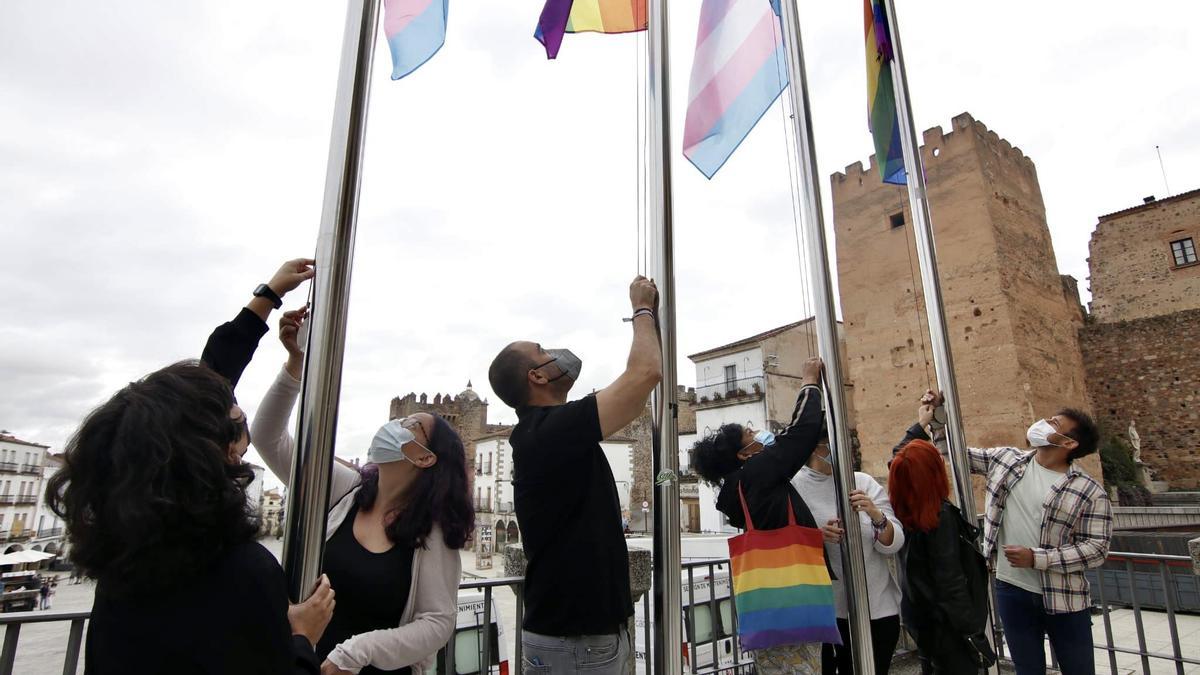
{"x":881,"y":96}
{"x":781,"y":586}
{"x":587,"y":16}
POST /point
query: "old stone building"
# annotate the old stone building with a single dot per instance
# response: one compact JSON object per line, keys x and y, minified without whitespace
{"x":1013,"y":319}
{"x":1143,"y":260}
{"x":1142,"y":345}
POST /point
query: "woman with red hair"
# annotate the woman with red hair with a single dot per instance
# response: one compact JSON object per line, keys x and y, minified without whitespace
{"x":945,"y":591}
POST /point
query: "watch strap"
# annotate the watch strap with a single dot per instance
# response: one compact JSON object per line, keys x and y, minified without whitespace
{"x":265,"y":291}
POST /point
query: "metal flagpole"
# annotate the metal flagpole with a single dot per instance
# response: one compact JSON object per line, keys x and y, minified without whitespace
{"x":668,"y":635}
{"x":939,"y":335}
{"x":825,"y":315}
{"x":308,"y":492}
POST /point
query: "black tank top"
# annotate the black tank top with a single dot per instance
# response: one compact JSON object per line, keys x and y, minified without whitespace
{"x":372,"y":589}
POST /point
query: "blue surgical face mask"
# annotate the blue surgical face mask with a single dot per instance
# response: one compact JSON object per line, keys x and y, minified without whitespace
{"x":763,"y":438}
{"x":387,"y":446}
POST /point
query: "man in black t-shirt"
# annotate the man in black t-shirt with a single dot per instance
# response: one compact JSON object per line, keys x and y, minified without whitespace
{"x":577,"y":596}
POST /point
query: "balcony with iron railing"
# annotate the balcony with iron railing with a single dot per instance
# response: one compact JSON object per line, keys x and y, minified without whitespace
{"x":1142,"y":601}
{"x":725,"y":391}
{"x":8,"y":467}
{"x":32,"y":469}
{"x":26,"y":499}
{"x":482,"y":506}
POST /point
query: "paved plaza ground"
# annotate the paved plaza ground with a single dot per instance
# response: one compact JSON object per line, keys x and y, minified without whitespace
{"x":42,"y":647}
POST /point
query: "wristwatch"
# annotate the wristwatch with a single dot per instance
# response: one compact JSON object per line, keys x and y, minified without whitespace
{"x":264,"y":291}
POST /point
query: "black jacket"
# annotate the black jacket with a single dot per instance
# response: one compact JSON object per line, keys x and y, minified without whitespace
{"x":766,"y":478}
{"x":229,"y":620}
{"x":232,"y":345}
{"x":944,"y":578}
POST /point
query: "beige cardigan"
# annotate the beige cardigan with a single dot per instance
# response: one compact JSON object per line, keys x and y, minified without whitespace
{"x":429,"y":616}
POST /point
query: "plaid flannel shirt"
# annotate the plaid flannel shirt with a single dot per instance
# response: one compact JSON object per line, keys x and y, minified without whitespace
{"x":1076,"y":525}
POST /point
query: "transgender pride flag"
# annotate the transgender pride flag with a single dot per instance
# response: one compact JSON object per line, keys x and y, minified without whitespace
{"x":415,"y":30}
{"x":739,"y":71}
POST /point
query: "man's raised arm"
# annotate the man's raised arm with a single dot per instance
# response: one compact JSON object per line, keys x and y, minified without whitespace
{"x":622,"y":401}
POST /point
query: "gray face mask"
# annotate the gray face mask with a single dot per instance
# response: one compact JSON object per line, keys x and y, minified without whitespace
{"x":567,"y":362}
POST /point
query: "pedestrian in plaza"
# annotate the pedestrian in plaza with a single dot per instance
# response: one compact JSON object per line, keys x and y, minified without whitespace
{"x":1052,"y":522}
{"x":153,"y":495}
{"x":753,"y":472}
{"x":945,"y":595}
{"x":576,"y":592}
{"x":44,"y":594}
{"x":882,"y":538}
{"x":393,"y":532}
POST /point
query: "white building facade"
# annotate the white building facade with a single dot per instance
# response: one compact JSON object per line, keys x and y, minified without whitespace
{"x":493,"y":490}
{"x":21,"y":478}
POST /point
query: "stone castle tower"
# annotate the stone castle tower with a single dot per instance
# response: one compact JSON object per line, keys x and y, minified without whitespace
{"x":467,"y":413}
{"x":1012,"y":318}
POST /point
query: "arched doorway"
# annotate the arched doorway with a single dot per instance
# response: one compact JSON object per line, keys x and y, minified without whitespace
{"x":37,"y":547}
{"x":514,"y":534}
{"x":52,"y":547}
{"x":501,"y":535}
{"x":14,"y":548}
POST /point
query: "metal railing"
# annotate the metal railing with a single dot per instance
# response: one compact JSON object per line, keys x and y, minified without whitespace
{"x":723,"y":389}
{"x":482,"y":632}
{"x":8,"y":467}
{"x":35,"y":469}
{"x":12,"y":623}
{"x":49,"y":532}
{"x":483,"y":506}
{"x":1138,"y":582}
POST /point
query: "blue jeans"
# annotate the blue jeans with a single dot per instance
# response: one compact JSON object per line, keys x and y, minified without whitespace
{"x":593,"y":654}
{"x":1026,"y":625}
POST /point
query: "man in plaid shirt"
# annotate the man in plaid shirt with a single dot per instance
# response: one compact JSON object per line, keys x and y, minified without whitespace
{"x":1051,"y":521}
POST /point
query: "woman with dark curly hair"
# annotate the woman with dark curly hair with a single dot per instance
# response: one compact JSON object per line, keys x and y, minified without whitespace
{"x":393,"y":532}
{"x":762,"y":465}
{"x":153,"y":494}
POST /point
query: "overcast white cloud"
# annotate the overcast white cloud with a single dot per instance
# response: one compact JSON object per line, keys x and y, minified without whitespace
{"x":158,"y":160}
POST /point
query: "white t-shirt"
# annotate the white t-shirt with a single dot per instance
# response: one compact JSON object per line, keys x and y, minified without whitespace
{"x":883,"y":592}
{"x":1022,"y":524}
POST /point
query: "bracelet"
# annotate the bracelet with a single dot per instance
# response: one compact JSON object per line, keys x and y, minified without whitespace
{"x":644,"y":310}
{"x":881,"y":525}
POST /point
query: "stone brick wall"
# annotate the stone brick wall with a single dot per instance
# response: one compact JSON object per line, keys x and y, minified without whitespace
{"x":1133,"y":273}
{"x":1148,"y":370}
{"x":1012,"y":327}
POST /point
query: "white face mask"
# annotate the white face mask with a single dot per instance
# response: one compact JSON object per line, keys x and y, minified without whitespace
{"x":1039,"y":434}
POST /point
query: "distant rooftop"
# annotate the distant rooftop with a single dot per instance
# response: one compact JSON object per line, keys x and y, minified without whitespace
{"x":750,"y":340}
{"x":1149,"y":203}
{"x":5,"y":437}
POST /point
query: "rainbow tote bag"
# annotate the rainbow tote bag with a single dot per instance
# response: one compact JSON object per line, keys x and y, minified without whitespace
{"x":781,"y":585}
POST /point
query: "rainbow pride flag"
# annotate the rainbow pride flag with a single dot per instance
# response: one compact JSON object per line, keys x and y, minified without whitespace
{"x":739,"y":70}
{"x":881,"y":98}
{"x":587,"y":16}
{"x":781,"y":585}
{"x":415,"y":30}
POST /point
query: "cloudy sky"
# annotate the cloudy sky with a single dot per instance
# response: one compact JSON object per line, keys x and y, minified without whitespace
{"x":160,"y":159}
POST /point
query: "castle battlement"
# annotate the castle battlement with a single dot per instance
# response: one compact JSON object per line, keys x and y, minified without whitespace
{"x":965,"y":129}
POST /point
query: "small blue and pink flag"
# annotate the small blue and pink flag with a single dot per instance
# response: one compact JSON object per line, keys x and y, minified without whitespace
{"x":739,"y":70}
{"x":415,"y":30}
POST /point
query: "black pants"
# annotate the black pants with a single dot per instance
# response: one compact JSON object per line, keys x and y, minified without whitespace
{"x":885,"y":632}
